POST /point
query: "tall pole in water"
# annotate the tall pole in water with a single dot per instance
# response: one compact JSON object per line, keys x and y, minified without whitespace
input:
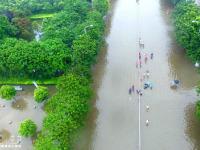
{"x":139,"y":107}
{"x":139,"y":96}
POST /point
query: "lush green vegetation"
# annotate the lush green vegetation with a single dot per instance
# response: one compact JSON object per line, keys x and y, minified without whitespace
{"x":26,"y":81}
{"x":66,"y":112}
{"x":186,"y":18}
{"x":198,"y":103}
{"x":7,"y":92}
{"x":41,"y":93}
{"x":81,"y":29}
{"x":62,"y":47}
{"x":31,"y":6}
{"x":33,"y":59}
{"x":71,"y":40}
{"x":27,"y":128}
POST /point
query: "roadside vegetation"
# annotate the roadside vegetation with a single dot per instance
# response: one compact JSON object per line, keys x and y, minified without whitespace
{"x":81,"y":29}
{"x":73,"y":33}
{"x":186,"y":18}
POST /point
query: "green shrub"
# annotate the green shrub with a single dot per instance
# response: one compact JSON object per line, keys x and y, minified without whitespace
{"x":27,"y":128}
{"x":186,"y":19}
{"x":198,"y":109}
{"x":7,"y":92}
{"x":41,"y":93}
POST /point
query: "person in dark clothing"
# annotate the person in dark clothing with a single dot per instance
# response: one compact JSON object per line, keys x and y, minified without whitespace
{"x":151,"y":55}
{"x":133,"y":88}
{"x":140,"y":56}
{"x":130,"y":91}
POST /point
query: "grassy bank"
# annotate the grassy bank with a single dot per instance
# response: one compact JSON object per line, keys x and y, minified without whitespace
{"x":42,"y":16}
{"x":24,"y":81}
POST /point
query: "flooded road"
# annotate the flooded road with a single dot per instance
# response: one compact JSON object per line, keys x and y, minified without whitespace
{"x":14,"y":112}
{"x":173,"y":125}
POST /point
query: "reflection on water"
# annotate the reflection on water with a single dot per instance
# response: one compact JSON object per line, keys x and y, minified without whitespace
{"x":192,"y":126}
{"x":19,"y":104}
{"x":182,"y":68}
{"x":4,"y":135}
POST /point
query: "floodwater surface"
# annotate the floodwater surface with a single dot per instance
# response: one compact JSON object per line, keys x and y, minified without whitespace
{"x":114,"y":122}
{"x":13,"y":112}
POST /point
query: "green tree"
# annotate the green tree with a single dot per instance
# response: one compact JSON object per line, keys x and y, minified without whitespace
{"x":33,"y":59}
{"x":84,"y":53}
{"x":46,"y":142}
{"x":7,"y":92}
{"x":41,"y":93}
{"x":27,"y":128}
{"x":198,"y":109}
{"x":101,"y":6}
{"x":187,"y":23}
{"x":6,"y":28}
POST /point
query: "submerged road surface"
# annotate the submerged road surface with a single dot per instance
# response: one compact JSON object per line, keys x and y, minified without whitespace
{"x":173,"y":125}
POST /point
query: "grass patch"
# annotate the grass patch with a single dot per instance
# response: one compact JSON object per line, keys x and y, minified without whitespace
{"x":26,"y":81}
{"x":42,"y":16}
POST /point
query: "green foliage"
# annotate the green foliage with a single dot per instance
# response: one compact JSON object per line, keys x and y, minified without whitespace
{"x":42,"y":16}
{"x":66,"y":112}
{"x":32,"y":6}
{"x":7,"y":92}
{"x":84,"y":53}
{"x":198,"y":109}
{"x":24,"y":27}
{"x":101,"y":6}
{"x":80,"y":7}
{"x":65,"y":48}
{"x":41,"y":93}
{"x":45,"y":142}
{"x":198,"y":103}
{"x":186,"y":18}
{"x":6,"y":28}
{"x":27,"y":128}
{"x":35,"y":59}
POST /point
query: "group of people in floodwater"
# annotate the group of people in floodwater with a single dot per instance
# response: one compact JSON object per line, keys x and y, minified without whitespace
{"x":146,"y":75}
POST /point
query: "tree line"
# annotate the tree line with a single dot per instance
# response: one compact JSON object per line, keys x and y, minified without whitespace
{"x":81,"y":30}
{"x":186,"y":18}
{"x":62,"y":45}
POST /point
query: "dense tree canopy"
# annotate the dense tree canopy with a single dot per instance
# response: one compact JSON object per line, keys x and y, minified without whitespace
{"x":186,"y":18}
{"x":32,"y":6}
{"x":6,"y":28}
{"x":34,"y":59}
{"x":69,"y":45}
{"x":66,"y":112}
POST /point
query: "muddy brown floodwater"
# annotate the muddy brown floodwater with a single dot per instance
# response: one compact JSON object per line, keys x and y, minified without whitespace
{"x":15,"y":111}
{"x":113,"y":123}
